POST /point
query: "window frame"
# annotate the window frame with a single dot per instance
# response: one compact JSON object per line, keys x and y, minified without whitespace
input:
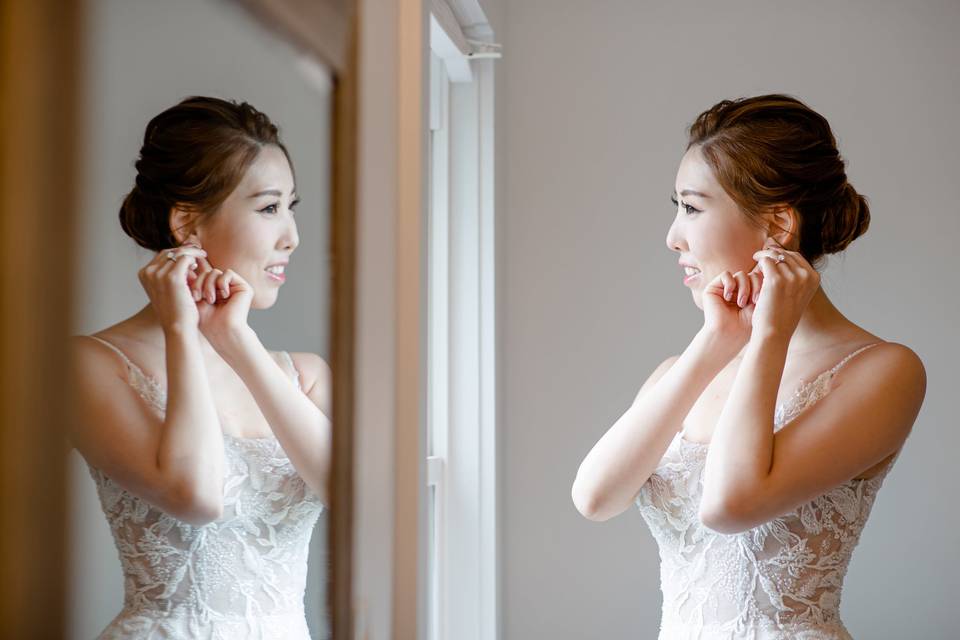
{"x":462,"y":566}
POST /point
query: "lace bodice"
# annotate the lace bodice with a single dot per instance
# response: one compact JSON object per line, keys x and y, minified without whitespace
{"x":780,"y":580}
{"x":242,"y":576}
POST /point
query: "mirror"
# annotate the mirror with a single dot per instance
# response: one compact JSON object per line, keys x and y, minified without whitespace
{"x":143,"y":59}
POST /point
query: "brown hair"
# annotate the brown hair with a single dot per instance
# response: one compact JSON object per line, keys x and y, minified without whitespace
{"x":194,"y":155}
{"x":773,"y":150}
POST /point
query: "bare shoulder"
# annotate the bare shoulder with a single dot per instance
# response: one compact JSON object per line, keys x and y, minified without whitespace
{"x":311,"y":366}
{"x":657,"y":373}
{"x":316,"y":378}
{"x":90,"y":358}
{"x":896,"y":364}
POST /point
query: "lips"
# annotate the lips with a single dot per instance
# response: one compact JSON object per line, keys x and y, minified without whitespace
{"x":276,"y":272}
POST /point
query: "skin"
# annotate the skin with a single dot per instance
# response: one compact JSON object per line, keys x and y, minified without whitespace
{"x":768,"y":326}
{"x":218,"y":375}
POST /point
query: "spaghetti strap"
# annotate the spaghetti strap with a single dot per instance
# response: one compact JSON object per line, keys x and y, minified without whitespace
{"x":147,"y":387}
{"x":847,"y":358}
{"x":293,"y":367}
{"x":807,"y":393}
{"x":116,"y":350}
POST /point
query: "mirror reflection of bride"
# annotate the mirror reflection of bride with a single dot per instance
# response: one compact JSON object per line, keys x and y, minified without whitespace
{"x":210,"y":453}
{"x":755,"y":455}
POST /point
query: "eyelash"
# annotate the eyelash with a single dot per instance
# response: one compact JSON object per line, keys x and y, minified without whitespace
{"x":689,"y":209}
{"x":274,"y":206}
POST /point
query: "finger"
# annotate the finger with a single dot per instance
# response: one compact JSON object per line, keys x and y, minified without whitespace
{"x":182,"y":265}
{"x":774,"y":254}
{"x":743,"y":288}
{"x":177,"y":252}
{"x":775,"y":271}
{"x":756,"y":282}
{"x":729,"y":285}
{"x":176,"y":267}
{"x":209,"y":286}
{"x":225,"y":281}
{"x":205,"y":265}
{"x":197,"y":287}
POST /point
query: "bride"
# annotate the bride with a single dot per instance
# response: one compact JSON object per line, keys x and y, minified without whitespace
{"x":210,"y":453}
{"x":756,"y":454}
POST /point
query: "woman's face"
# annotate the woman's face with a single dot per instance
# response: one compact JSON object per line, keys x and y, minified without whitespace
{"x":254,"y":230}
{"x":709,"y":231}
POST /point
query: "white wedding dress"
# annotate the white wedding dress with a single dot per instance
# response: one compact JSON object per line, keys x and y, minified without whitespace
{"x":242,"y":576}
{"x":780,"y":580}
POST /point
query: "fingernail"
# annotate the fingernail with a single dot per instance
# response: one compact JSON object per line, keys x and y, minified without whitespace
{"x":196,"y":296}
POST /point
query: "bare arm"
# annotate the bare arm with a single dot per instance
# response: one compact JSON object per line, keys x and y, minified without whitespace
{"x":174,"y":463}
{"x":295,"y":417}
{"x":612,"y":474}
{"x":753,"y":475}
{"x":190,"y":451}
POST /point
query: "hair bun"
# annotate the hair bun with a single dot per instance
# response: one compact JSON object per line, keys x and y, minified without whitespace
{"x":141,"y":218}
{"x":847,"y":222}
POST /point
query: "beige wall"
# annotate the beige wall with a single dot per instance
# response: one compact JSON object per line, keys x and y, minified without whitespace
{"x":593,"y":101}
{"x":142,"y":58}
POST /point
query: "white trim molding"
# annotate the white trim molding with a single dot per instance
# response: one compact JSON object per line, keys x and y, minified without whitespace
{"x":462,"y":333}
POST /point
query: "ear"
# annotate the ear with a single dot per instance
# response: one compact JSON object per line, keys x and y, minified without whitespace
{"x":783,"y":225}
{"x":183,"y":224}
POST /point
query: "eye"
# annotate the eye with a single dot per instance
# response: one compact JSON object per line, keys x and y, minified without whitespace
{"x":294,"y":204}
{"x":270,"y":208}
{"x":686,"y":207}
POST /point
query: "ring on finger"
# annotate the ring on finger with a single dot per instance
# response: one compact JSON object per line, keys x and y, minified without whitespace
{"x":172,"y":255}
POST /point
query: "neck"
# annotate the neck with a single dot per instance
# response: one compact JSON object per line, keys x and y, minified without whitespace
{"x":149,"y":322}
{"x":819,"y":320}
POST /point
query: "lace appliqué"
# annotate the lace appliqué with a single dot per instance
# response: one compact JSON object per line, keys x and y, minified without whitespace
{"x":781,"y":579}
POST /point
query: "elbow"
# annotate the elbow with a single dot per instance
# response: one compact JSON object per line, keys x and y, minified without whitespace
{"x":195,"y":508}
{"x":588,"y":502}
{"x":721,"y":519}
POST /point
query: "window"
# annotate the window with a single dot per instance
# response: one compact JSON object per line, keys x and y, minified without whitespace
{"x":461,"y":436}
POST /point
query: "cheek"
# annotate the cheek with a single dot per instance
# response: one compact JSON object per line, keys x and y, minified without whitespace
{"x":724,"y":249}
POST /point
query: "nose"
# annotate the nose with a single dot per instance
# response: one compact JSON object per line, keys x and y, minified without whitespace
{"x":290,"y":239}
{"x":673,"y":237}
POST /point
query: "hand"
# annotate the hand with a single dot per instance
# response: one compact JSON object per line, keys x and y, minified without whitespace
{"x":166,"y":282}
{"x":786,"y":288}
{"x":222,"y":299}
{"x":728,"y":307}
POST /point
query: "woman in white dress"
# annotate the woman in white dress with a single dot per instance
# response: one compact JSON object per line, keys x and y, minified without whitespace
{"x":755,"y":455}
{"x":210,"y":453}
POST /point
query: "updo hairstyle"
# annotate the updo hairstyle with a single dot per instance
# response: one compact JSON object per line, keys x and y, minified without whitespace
{"x":773,"y":150}
{"x":194,"y":155}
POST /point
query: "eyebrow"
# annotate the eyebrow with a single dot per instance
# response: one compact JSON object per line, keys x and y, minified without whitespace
{"x":270,"y":192}
{"x":691,"y":192}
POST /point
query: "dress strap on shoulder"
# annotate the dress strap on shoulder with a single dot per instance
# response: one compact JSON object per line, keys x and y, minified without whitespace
{"x":116,"y":350}
{"x":149,"y":388}
{"x":293,"y":368}
{"x":847,"y":358}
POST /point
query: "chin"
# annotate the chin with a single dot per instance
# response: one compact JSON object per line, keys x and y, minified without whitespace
{"x":263,"y":301}
{"x":698,"y":299}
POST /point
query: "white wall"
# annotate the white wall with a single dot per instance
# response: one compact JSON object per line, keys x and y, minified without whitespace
{"x":143,"y":57}
{"x":593,"y":102}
